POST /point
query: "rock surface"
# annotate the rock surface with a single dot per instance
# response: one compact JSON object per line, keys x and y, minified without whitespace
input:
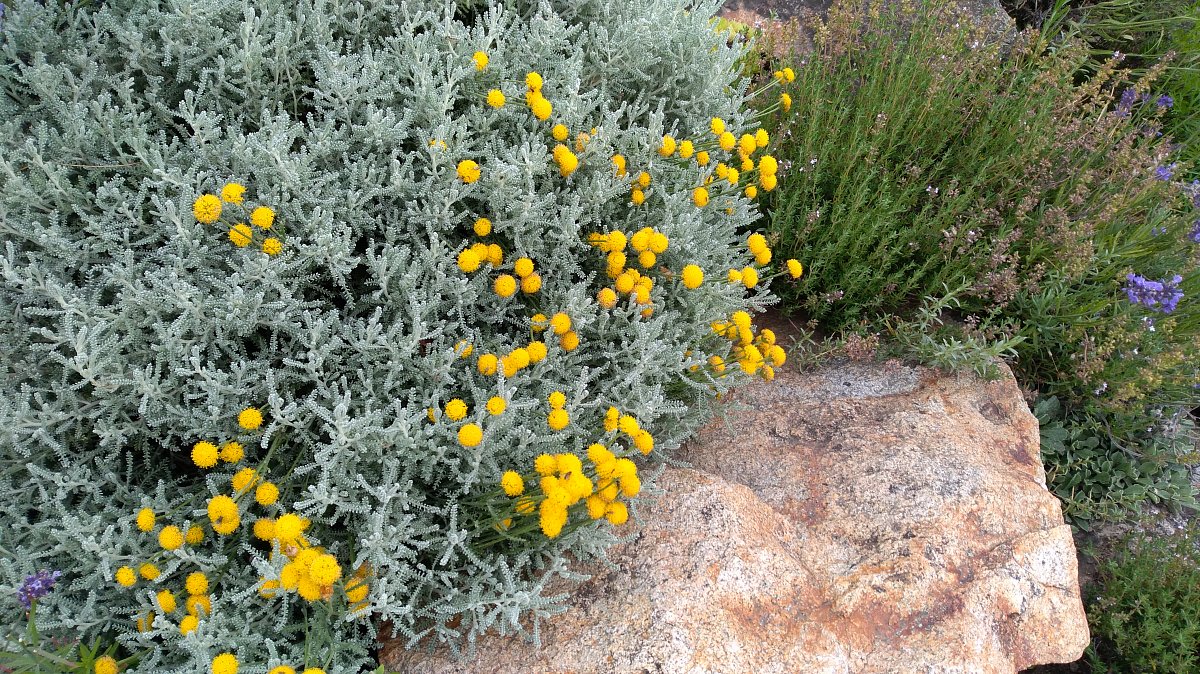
{"x":857,"y":519}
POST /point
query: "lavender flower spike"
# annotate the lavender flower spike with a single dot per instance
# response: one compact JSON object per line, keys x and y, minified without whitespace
{"x":37,"y":586}
{"x":1161,"y":296}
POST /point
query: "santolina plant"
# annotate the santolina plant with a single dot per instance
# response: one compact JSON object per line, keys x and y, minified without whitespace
{"x":323,"y":317}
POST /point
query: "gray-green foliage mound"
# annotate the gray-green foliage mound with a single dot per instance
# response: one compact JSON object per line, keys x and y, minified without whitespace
{"x":134,"y":332}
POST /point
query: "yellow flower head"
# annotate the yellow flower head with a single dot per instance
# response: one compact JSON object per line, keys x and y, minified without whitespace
{"x":264,"y":528}
{"x":768,"y":182}
{"x":505,"y":285}
{"x":166,"y":601}
{"x":241,"y":235}
{"x":198,"y":605}
{"x":617,"y":513}
{"x":693,"y":276}
{"x":686,"y":149}
{"x":170,"y":538}
{"x":569,"y":341}
{"x":747,"y":144}
{"x":618,"y":161}
{"x":559,"y":132}
{"x":541,"y":108}
{"x":795,"y":269}
{"x":638,"y":197}
{"x":207,"y":208}
{"x":607,"y":298}
{"x":148,"y":571}
{"x":188,"y":624}
{"x":266,"y":494}
{"x":545,"y":464}
{"x":145,"y":519}
{"x":468,"y":171}
{"x":785,"y":101}
{"x":325,"y":570}
{"x":717,"y":125}
{"x":225,"y":663}
{"x":232,"y":452}
{"x":470,"y":435}
{"x":243,"y":479}
{"x":262,"y":217}
{"x":487,"y":364}
{"x":751,"y":191}
{"x":250,"y":418}
{"x":533,"y":81}
{"x":700,"y":197}
{"x":727,"y":141}
{"x":558,"y":419}
{"x":560,"y":323}
{"x":761,"y":138}
{"x":756,"y":243}
{"x":537,"y":351}
{"x":668,"y":146}
{"x":495,"y":98}
{"x":789,"y":74}
{"x":223,"y":513}
{"x":658,"y":243}
{"x":767,"y":165}
{"x":105,"y":664}
{"x":512,"y":484}
{"x":480,"y":59}
{"x":126,"y":576}
{"x":702,"y":158}
{"x":557,"y":400}
{"x":468,"y":260}
{"x":232,"y":193}
{"x":538,"y":322}
{"x":288,"y":528}
{"x":196,"y":583}
{"x":496,"y":405}
{"x":204,"y":454}
{"x":553,"y":516}
{"x":272,"y":246}
{"x":456,"y":409}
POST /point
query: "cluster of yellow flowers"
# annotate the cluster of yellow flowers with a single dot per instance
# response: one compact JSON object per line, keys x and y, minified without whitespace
{"x":634,"y":262}
{"x":311,"y":572}
{"x":753,"y":353}
{"x":563,"y":483}
{"x":207,"y":208}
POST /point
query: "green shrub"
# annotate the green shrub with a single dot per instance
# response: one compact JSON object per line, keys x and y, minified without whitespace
{"x":148,"y":322}
{"x":1097,"y":478}
{"x":918,"y":156}
{"x":1145,"y":613}
{"x":1146,"y":32}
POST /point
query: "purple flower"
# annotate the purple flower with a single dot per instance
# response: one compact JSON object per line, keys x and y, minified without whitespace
{"x":1195,"y":233}
{"x":1125,"y":105}
{"x":1161,"y":296}
{"x":1164,"y":173}
{"x":1164,"y":101}
{"x":37,"y":586}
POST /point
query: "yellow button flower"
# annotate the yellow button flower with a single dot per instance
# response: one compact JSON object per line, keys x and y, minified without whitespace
{"x":207,"y":208}
{"x":495,"y":98}
{"x":468,"y":171}
{"x":693,"y":276}
{"x":233,"y":193}
{"x":241,"y":235}
{"x":480,"y":59}
{"x":470,"y":435}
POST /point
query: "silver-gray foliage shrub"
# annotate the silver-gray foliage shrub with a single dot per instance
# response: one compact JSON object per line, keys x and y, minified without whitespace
{"x":131,"y":331}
